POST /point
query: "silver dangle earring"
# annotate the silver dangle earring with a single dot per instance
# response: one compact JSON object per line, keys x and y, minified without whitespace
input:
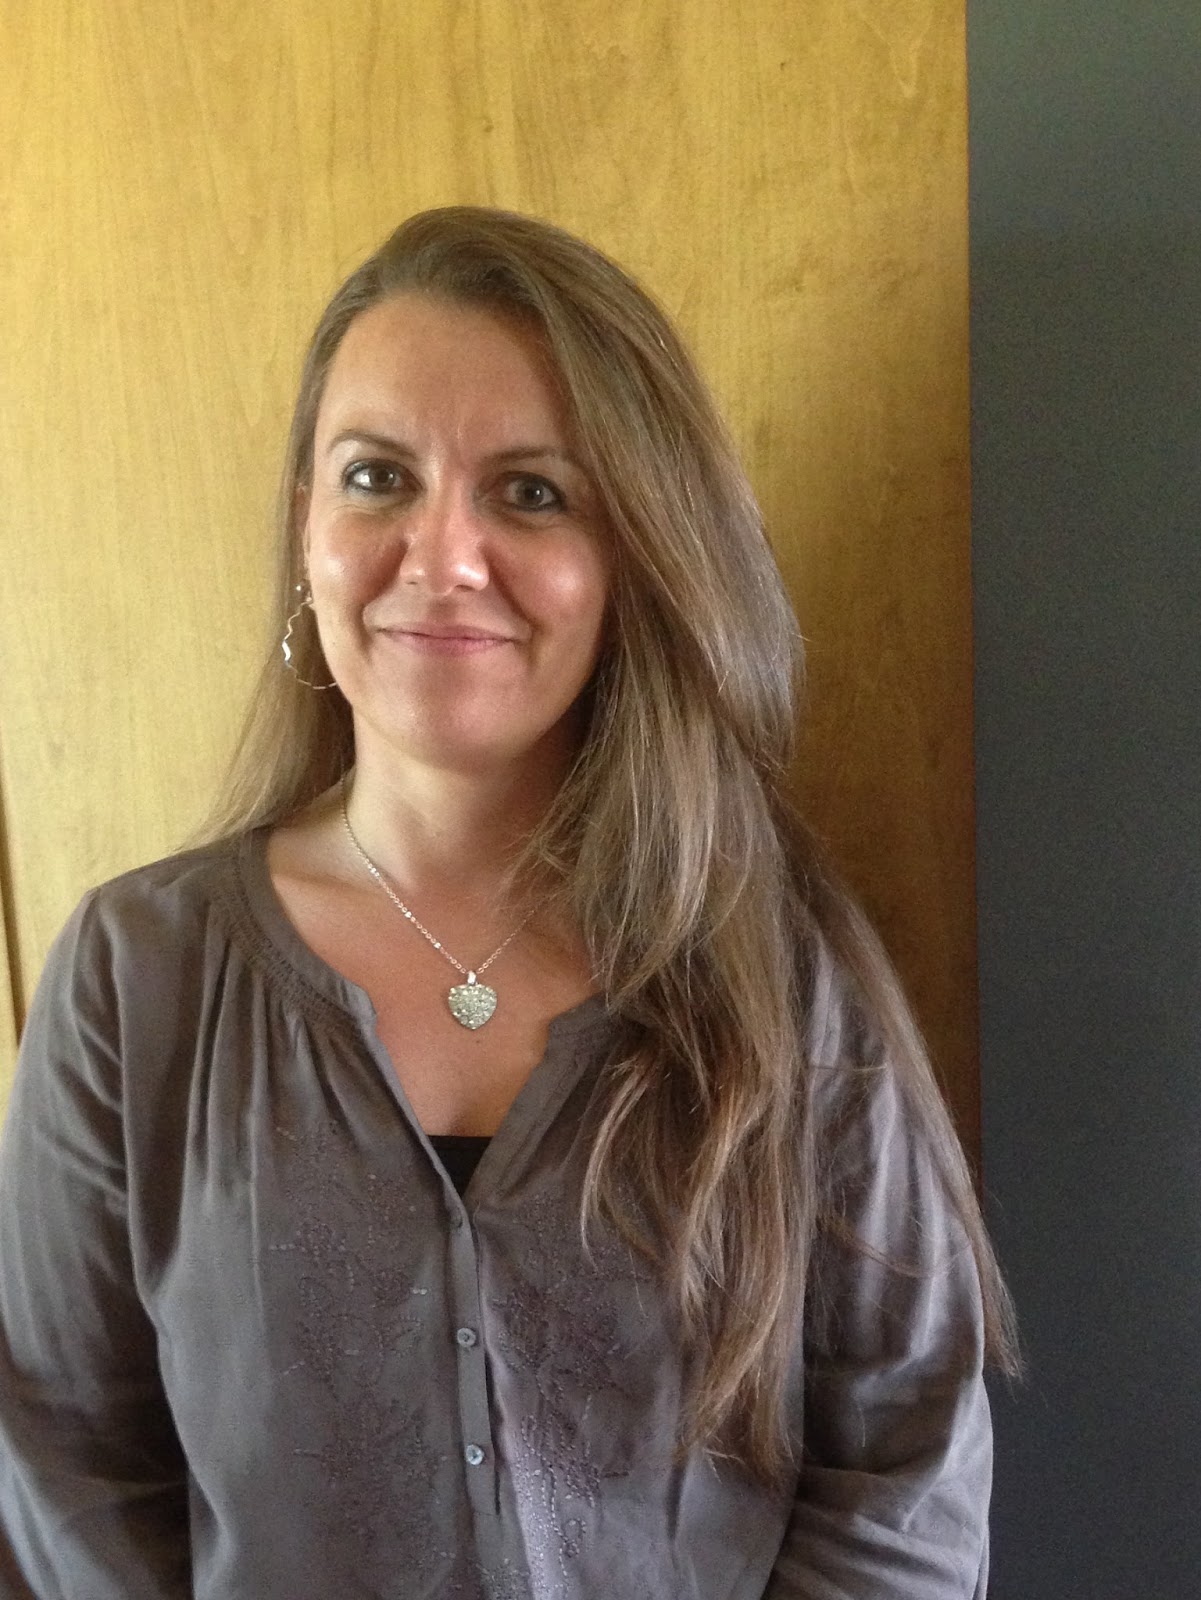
{"x":306,"y":601}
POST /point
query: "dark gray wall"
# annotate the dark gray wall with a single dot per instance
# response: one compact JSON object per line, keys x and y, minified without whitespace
{"x":1086,"y":317}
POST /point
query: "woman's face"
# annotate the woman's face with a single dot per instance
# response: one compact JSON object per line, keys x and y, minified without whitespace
{"x":454,"y":543}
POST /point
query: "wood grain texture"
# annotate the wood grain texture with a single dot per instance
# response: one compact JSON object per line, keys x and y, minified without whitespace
{"x":183,"y":185}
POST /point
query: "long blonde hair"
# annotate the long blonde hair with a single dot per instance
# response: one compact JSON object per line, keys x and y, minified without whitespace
{"x":703,"y":899}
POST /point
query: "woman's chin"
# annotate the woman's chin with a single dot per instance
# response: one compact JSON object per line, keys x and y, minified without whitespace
{"x":468,"y":748}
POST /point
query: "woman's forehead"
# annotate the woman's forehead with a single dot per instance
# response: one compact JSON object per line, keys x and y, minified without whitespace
{"x":414,"y":357}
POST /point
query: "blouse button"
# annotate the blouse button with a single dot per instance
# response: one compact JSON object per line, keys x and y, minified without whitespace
{"x":465,"y":1337}
{"x":473,"y":1455}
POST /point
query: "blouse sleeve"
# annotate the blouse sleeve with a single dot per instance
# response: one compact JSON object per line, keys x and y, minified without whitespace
{"x":93,"y":1486}
{"x":892,"y":1500}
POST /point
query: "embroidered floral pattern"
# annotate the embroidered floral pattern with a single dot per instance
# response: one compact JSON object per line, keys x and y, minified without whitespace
{"x":561,"y":1328}
{"x":357,"y":1305}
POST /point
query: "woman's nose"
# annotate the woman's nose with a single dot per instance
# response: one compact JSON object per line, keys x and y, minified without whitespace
{"x":444,"y":548}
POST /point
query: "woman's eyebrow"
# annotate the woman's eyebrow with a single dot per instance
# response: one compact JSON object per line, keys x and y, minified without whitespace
{"x":526,"y":452}
{"x":519,"y":452}
{"x":378,"y":441}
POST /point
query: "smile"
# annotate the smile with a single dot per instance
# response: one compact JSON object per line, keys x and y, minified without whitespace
{"x":445,"y":642}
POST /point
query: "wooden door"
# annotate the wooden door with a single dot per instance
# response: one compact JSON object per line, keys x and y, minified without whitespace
{"x":184,"y":183}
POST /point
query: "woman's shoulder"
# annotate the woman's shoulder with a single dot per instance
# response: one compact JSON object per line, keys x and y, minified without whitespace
{"x":865,"y":1068}
{"x":125,"y":975}
{"x":842,"y":1027}
{"x":148,"y":916}
{"x":173,"y":889}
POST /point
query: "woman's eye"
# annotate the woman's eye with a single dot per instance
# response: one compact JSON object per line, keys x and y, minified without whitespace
{"x":372,"y":477}
{"x":533,"y":494}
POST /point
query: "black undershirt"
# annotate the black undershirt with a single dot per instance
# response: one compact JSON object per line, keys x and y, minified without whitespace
{"x":460,"y":1154}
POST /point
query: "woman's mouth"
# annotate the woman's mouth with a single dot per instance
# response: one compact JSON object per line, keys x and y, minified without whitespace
{"x":445,"y":639}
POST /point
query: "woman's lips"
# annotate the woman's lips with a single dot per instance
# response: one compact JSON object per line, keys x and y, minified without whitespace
{"x":438,"y":641}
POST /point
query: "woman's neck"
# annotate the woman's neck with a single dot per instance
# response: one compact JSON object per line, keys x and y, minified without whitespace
{"x":428,"y":828}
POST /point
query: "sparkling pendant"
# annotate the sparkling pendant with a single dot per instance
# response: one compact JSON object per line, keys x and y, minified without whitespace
{"x":471,"y":1003}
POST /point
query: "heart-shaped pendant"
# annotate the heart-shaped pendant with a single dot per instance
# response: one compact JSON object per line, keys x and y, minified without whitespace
{"x":471,"y":1003}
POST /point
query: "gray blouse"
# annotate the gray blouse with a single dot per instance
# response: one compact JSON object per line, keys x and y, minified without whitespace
{"x":253,"y":1345}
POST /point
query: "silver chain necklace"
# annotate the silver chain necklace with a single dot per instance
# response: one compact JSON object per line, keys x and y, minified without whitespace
{"x":471,"y":1003}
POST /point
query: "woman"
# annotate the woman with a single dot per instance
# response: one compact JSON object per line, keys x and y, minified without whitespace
{"x":599,"y":1233}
